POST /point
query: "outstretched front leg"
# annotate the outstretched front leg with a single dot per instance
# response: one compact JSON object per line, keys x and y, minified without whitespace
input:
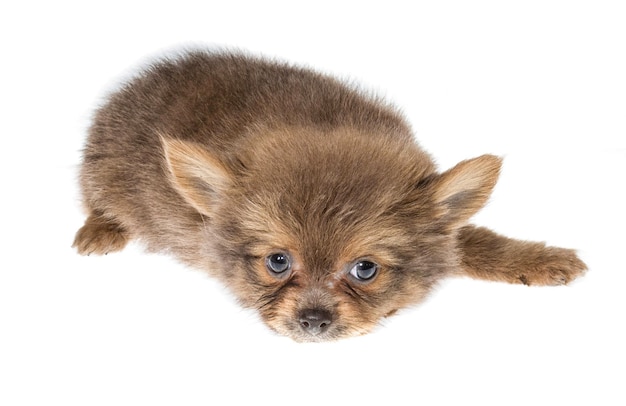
{"x":490,"y":256}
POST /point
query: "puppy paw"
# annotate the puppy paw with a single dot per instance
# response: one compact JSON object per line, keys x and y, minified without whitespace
{"x":100,"y":236}
{"x":555,"y":266}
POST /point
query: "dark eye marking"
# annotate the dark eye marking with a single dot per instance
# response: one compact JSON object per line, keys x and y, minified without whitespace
{"x":355,"y":294}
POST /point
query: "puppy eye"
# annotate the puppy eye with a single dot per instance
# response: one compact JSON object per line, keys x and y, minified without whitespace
{"x":278,"y":263}
{"x":364,"y":270}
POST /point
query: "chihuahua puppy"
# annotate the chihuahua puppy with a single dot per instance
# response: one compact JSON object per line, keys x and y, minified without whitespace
{"x":309,"y":199}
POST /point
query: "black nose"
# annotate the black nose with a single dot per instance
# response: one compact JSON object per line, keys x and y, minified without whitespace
{"x":314,"y":321}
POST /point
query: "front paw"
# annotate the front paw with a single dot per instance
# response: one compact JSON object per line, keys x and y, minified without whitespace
{"x":100,"y":236}
{"x":555,"y":266}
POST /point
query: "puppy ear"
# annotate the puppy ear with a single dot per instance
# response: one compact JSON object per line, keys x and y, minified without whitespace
{"x":195,"y":173}
{"x":461,"y":191}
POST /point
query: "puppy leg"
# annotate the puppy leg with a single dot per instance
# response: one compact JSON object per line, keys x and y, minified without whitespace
{"x":487,"y":255}
{"x":100,"y":235}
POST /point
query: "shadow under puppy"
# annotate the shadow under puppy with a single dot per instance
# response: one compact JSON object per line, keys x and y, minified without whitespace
{"x":308,"y":198}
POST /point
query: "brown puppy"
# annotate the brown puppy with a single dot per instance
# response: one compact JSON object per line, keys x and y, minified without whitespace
{"x":309,"y":199}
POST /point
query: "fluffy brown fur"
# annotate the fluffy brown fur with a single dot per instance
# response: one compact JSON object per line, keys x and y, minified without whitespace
{"x":239,"y":166}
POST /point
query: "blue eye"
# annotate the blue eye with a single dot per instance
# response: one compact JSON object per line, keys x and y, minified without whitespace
{"x":278,"y":263}
{"x":364,"y":270}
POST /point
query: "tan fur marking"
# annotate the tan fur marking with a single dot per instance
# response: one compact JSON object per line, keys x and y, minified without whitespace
{"x":466,"y":187}
{"x":196,"y":174}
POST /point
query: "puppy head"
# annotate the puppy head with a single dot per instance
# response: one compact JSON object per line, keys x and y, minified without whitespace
{"x":326,"y":233}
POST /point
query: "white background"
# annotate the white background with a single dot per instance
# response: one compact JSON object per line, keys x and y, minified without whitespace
{"x":542,"y":83}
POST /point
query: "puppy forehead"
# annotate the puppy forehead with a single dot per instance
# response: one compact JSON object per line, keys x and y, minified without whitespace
{"x":313,"y":155}
{"x":331,"y":198}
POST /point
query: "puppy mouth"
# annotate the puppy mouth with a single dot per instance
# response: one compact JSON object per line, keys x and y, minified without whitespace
{"x":308,"y":335}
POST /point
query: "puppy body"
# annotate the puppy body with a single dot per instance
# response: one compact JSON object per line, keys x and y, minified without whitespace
{"x":309,"y":199}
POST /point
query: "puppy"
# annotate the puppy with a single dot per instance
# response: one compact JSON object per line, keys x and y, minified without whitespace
{"x":308,"y":198}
